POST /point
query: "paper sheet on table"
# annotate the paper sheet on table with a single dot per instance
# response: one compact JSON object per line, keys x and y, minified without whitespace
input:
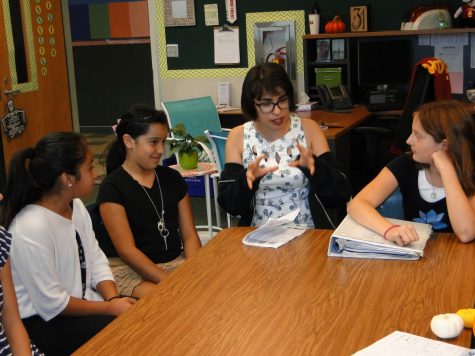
{"x":401,"y":343}
{"x":226,"y":45}
{"x":274,"y":233}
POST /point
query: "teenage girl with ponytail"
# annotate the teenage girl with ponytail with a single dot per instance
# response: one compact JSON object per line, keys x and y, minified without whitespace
{"x":145,"y":207}
{"x":65,"y":289}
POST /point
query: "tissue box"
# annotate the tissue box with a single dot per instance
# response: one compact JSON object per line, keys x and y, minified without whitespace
{"x":307,"y":106}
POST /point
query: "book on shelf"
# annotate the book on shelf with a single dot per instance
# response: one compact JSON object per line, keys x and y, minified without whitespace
{"x":351,"y":239}
{"x":275,"y":232}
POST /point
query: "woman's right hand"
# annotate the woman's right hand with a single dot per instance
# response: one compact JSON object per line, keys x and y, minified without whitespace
{"x":255,"y":171}
{"x":120,"y":305}
{"x":402,"y":235}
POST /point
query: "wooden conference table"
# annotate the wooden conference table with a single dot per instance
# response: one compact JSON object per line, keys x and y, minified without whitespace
{"x":232,"y":299}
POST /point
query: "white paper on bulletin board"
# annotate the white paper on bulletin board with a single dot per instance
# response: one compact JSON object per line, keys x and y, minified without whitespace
{"x":452,"y":55}
{"x":226,"y":45}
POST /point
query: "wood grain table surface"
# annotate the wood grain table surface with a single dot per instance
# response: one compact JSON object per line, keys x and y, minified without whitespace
{"x":232,"y":299}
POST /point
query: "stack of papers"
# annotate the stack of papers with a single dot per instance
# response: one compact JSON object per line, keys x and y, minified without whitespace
{"x":351,"y":239}
{"x":401,"y":343}
{"x":275,"y":232}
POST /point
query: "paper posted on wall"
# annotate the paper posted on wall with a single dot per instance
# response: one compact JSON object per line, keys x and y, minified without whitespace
{"x":351,"y":239}
{"x":275,"y":232}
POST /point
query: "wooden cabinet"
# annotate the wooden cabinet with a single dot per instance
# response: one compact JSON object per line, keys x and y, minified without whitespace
{"x":348,"y":63}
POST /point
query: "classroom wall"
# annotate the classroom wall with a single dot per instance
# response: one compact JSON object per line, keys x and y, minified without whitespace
{"x":196,"y":42}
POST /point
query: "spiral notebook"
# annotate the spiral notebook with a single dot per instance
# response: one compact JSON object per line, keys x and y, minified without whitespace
{"x":353,"y":240}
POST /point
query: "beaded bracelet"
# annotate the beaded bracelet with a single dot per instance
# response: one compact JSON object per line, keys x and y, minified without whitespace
{"x":115,"y":297}
{"x":387,"y":230}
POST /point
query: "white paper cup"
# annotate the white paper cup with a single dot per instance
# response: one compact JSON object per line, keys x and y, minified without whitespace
{"x":314,"y":23}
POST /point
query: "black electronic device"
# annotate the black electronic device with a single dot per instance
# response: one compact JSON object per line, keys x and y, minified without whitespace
{"x":334,"y":98}
{"x":384,"y":63}
{"x":391,"y":99}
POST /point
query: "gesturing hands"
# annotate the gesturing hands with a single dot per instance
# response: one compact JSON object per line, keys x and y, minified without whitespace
{"x":255,"y":171}
{"x":306,"y":159}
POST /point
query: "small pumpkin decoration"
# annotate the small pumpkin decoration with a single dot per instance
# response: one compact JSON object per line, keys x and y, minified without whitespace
{"x":335,"y":26}
{"x":447,"y":326}
{"x":468,"y":316}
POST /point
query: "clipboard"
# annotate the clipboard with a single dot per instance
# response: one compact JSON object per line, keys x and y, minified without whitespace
{"x":226,"y":45}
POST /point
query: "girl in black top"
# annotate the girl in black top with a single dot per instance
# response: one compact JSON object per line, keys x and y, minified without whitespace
{"x":437,"y":180}
{"x":145,"y":207}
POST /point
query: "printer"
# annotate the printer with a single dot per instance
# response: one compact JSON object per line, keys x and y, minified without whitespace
{"x":425,"y":17}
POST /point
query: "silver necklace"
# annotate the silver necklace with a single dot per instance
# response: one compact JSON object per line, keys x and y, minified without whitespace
{"x":162,"y":229}
{"x":433,"y":195}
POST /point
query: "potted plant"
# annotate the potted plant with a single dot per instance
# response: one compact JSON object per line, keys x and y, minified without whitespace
{"x":186,"y":146}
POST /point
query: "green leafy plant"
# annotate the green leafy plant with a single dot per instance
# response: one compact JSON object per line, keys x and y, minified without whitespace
{"x":183,"y":142}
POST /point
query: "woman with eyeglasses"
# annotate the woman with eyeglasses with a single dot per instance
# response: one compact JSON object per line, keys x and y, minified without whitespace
{"x":276,"y":162}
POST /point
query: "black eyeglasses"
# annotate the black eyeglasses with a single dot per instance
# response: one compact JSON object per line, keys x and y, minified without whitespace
{"x":266,"y":107}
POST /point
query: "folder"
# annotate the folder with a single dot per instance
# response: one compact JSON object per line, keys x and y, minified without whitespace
{"x":353,"y":240}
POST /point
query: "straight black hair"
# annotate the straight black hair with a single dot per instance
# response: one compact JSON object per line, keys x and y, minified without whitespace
{"x":34,"y":171}
{"x":135,"y":122}
{"x":265,"y":78}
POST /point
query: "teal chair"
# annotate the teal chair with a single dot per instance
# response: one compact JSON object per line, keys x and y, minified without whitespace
{"x":218,"y":139}
{"x":392,"y":207}
{"x":198,"y":115}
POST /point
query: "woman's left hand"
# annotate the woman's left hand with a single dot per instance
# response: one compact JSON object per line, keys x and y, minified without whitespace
{"x":306,"y":159}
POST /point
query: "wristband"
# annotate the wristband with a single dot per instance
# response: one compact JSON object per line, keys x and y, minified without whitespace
{"x":387,"y":230}
{"x":115,"y":297}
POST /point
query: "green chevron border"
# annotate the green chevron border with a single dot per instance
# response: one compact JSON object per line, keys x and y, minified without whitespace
{"x":251,"y":18}
{"x":32,"y":85}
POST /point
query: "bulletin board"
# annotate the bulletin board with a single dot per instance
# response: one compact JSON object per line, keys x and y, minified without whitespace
{"x":196,"y":42}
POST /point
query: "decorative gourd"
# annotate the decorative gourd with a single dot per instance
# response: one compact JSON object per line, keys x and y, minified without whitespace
{"x":467,"y":315}
{"x":446,"y":326}
{"x":335,"y":26}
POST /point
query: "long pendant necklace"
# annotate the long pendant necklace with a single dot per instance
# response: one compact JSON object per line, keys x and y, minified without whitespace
{"x":162,"y":229}
{"x":433,"y":195}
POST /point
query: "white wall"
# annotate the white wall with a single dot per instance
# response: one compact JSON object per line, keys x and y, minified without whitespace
{"x":176,"y":89}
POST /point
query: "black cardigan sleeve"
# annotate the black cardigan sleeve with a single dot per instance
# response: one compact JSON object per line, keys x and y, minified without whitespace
{"x":328,"y":181}
{"x":234,"y":194}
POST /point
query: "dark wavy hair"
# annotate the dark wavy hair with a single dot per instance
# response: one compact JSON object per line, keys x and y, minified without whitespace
{"x":265,"y":78}
{"x":450,"y":120}
{"x":134,"y":122}
{"x":34,"y":171}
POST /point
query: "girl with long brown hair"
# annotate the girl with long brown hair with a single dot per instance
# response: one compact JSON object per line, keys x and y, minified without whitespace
{"x":437,"y":179}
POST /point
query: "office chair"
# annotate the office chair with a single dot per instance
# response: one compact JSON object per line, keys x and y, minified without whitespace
{"x":430,"y":81}
{"x":198,"y":115}
{"x":218,"y":140}
{"x":392,"y":207}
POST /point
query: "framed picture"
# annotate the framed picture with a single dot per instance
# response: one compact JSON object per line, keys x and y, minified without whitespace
{"x":359,"y":18}
{"x":323,"y":50}
{"x":338,"y":49}
{"x":179,"y":13}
